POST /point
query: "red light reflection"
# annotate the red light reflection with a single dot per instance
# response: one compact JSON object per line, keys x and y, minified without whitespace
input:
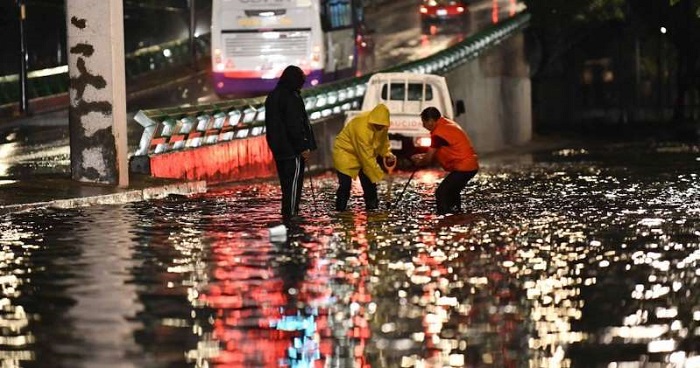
{"x":269,"y":312}
{"x":245,"y":299}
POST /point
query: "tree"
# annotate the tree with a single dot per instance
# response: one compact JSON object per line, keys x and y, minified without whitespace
{"x":681,"y":20}
{"x":559,"y":25}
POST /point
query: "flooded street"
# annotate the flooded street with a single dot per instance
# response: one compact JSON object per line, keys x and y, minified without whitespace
{"x":579,"y":257}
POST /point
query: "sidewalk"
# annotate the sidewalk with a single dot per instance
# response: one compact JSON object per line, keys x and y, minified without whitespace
{"x":60,"y":191}
{"x":26,"y":192}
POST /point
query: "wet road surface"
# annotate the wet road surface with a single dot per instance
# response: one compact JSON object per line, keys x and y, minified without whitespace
{"x":580,"y":257}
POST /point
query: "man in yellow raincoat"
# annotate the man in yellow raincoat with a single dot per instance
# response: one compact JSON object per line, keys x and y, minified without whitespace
{"x":355,"y":153}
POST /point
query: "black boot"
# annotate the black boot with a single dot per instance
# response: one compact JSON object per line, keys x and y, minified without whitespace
{"x":371,"y":204}
{"x":341,"y":204}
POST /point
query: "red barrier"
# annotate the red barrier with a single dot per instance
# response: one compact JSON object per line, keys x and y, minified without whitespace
{"x":239,"y":159}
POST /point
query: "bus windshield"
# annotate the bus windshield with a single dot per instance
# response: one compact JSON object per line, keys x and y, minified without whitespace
{"x":242,"y":14}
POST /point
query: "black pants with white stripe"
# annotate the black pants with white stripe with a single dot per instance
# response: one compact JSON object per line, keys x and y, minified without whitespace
{"x":291,"y":175}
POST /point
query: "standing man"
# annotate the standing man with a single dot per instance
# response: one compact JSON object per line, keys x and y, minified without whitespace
{"x":290,"y":137}
{"x":453,"y":150}
{"x":355,"y":153}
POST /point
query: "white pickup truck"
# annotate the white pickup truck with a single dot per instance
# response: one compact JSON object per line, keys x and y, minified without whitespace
{"x":406,"y":95}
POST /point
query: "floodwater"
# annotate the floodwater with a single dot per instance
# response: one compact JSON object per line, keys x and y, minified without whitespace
{"x":579,"y":257}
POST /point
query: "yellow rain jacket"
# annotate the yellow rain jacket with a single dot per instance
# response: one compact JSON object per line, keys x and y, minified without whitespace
{"x":358,"y":145}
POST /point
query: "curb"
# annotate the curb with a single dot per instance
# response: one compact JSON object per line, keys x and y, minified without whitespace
{"x":129,"y":196}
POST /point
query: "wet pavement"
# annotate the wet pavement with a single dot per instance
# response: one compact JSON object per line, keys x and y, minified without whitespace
{"x":582,"y":256}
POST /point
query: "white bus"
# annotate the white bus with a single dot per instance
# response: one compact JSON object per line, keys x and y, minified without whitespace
{"x":254,"y":40}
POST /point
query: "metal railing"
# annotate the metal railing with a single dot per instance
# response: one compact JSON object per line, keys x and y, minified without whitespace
{"x":51,"y":81}
{"x":178,"y":128}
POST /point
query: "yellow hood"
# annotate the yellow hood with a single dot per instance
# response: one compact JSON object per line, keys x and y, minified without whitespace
{"x":357,"y":145}
{"x":379,"y":115}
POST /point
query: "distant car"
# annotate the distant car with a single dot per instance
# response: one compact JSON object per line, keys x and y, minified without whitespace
{"x":442,"y":11}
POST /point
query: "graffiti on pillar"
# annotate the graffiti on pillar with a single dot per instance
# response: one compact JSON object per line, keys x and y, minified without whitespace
{"x":92,"y":140}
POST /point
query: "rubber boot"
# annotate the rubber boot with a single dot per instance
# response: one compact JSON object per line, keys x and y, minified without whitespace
{"x":371,"y":204}
{"x":341,"y":204}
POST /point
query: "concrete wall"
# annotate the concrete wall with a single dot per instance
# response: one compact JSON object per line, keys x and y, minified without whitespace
{"x":496,"y":92}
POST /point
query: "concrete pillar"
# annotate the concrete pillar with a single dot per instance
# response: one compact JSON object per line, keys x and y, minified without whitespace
{"x":496,"y":91}
{"x":97,"y":114}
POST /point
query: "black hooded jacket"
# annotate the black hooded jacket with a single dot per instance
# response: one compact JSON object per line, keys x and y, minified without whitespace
{"x":288,"y":131}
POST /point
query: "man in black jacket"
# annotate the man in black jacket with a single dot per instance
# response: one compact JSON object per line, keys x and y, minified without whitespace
{"x":289,"y":136}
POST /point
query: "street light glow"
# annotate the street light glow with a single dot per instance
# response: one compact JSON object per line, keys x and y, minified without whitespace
{"x":663,"y":30}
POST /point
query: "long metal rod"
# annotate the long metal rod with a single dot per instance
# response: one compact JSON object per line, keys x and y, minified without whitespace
{"x":398,"y":199}
{"x":313,"y":192}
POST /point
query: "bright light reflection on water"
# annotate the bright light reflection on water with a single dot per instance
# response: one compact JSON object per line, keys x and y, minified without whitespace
{"x":574,"y":258}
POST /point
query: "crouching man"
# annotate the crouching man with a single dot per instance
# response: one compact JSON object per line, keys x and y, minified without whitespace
{"x":453,"y":150}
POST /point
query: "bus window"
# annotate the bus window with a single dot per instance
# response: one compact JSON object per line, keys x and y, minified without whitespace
{"x":337,"y":14}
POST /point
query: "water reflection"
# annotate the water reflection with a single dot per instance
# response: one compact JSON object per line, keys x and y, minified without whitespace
{"x":584,"y":257}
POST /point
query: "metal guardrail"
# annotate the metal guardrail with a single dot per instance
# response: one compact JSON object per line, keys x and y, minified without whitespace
{"x":179,"y":128}
{"x":47,"y":82}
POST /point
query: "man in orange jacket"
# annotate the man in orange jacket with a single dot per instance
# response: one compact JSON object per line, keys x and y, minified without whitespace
{"x":453,"y":150}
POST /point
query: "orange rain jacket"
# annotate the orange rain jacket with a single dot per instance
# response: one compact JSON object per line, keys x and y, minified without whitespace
{"x":458,"y":154}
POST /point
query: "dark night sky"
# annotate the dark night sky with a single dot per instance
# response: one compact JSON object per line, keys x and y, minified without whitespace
{"x":146,"y":23}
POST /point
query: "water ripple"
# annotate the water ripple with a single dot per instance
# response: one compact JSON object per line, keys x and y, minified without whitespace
{"x":586,"y":256}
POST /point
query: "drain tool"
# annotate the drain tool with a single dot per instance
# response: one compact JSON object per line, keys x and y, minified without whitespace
{"x":313,"y":192}
{"x":398,"y":199}
{"x":390,"y":180}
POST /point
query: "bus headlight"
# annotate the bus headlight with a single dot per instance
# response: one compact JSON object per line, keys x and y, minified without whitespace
{"x":218,"y":64}
{"x":316,"y":55}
